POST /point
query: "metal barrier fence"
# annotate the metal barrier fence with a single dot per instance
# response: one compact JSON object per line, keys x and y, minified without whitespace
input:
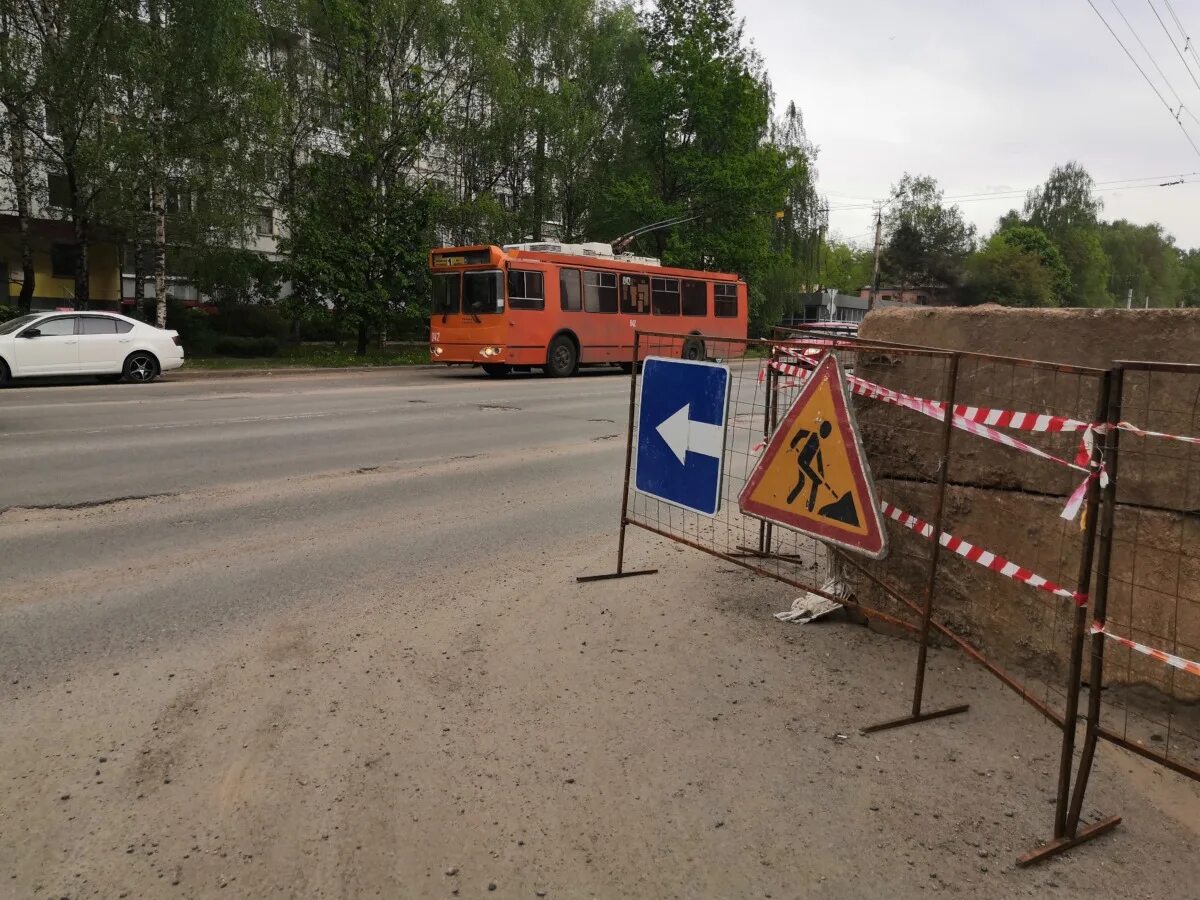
{"x":1145,"y":631}
{"x":976,"y":448}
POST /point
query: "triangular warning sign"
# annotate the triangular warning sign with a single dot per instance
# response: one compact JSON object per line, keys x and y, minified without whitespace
{"x":813,"y":475}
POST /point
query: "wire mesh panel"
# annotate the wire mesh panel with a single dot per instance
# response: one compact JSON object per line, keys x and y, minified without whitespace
{"x":790,"y":556}
{"x":1012,"y":467}
{"x":1151,"y":620}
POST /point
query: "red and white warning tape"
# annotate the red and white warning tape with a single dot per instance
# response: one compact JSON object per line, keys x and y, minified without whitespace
{"x":1025,"y":421}
{"x":1170,"y":659}
{"x":935,"y":410}
{"x":1141,"y":432}
{"x":985,"y":558}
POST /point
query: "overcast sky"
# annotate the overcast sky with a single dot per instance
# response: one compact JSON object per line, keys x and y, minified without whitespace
{"x":984,"y":96}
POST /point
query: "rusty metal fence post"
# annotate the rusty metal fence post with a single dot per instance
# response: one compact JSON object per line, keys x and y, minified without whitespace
{"x":1112,"y":441}
{"x":917,"y":715}
{"x":633,"y":384}
{"x":1066,"y":833}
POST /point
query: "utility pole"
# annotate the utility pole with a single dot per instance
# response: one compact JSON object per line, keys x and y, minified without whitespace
{"x":878,"y":243}
{"x":1129,"y":298}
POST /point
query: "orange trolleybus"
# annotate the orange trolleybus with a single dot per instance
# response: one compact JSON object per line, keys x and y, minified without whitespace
{"x":559,"y":306}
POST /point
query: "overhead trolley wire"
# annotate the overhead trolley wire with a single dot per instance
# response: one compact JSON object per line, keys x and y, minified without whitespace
{"x":1142,"y":71}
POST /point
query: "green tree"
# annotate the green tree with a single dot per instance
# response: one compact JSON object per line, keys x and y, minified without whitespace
{"x":1189,"y":293}
{"x":193,"y":110}
{"x":1033,"y":240}
{"x":1007,"y":273}
{"x":65,"y":119}
{"x":359,"y":224}
{"x":1066,"y":209}
{"x":1065,"y":202}
{"x":1082,"y":252}
{"x":848,"y":268}
{"x":926,"y":242}
{"x":1144,"y":259}
{"x":696,"y":146}
{"x":17,"y":65}
{"x":527,"y":149}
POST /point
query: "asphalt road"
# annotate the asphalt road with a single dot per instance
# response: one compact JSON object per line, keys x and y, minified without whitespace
{"x":319,"y":636}
{"x":325,"y":475}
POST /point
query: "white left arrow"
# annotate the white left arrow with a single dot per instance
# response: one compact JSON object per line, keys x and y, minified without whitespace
{"x":682,"y":434}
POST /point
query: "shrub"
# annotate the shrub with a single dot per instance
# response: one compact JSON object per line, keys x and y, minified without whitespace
{"x":195,"y":329}
{"x":245,"y":347}
{"x":8,"y":312}
{"x":250,"y":321}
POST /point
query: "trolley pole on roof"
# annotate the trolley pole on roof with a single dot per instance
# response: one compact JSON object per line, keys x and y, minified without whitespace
{"x":878,"y":243}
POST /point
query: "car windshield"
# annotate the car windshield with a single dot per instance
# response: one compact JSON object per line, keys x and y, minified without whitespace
{"x":19,"y":322}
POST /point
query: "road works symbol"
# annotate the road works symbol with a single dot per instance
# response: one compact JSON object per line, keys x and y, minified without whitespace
{"x":813,"y":476}
{"x":681,"y":432}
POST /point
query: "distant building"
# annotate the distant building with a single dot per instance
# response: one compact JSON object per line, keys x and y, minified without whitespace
{"x":937,"y":295}
{"x":54,"y":261}
{"x":832,"y":306}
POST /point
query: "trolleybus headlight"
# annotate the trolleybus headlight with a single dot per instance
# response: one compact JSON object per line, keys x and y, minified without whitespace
{"x":438,"y":351}
{"x":489,"y":352}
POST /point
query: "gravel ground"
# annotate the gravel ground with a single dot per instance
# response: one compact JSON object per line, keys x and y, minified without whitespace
{"x":371,"y":674}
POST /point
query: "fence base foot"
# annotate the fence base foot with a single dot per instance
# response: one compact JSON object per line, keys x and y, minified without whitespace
{"x":913,"y":720}
{"x":1063,"y":844}
{"x":616,"y":575}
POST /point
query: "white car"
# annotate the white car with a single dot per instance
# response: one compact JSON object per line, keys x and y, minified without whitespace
{"x":86,"y":343}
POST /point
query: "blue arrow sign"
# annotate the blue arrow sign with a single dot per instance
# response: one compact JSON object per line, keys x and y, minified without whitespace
{"x":682,"y":407}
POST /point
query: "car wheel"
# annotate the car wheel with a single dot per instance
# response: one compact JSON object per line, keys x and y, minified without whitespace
{"x":140,"y":368}
{"x":693,"y":348}
{"x":562,"y":360}
{"x":5,"y":374}
{"x":497,"y":370}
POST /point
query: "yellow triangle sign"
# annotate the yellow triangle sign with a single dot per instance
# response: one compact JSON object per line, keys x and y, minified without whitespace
{"x":813,"y":475}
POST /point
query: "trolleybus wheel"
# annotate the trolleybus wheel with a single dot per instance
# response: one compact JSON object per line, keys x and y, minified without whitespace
{"x":693,"y":348}
{"x":562,"y":360}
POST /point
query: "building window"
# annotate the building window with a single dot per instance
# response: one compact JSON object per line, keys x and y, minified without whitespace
{"x":59,"y":190}
{"x":52,"y":129}
{"x":178,"y":200}
{"x":695,"y":298}
{"x":64,"y":259}
{"x":266,"y":221}
{"x":526,"y":290}
{"x":635,"y":294}
{"x":666,"y":296}
{"x":568,"y":290}
{"x":600,"y":292}
{"x":725,"y":301}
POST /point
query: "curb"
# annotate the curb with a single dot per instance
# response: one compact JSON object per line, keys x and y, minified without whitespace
{"x":186,"y":374}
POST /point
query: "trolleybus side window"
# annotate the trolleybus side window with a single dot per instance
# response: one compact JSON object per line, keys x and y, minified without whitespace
{"x":725,"y":301}
{"x":446,"y":289}
{"x":600,"y":292}
{"x":569,"y":296}
{"x":635,"y":294}
{"x":525,"y":290}
{"x":695,"y":298}
{"x":666,"y":296}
